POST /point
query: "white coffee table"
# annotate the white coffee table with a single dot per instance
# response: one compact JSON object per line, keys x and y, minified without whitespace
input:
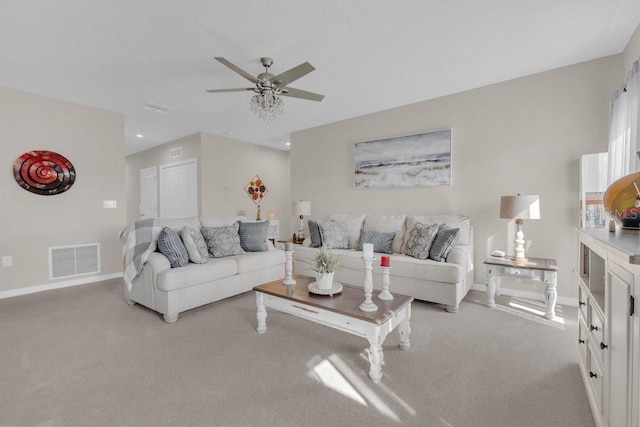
{"x":341,"y":312}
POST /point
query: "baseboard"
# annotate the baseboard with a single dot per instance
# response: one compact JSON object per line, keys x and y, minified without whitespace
{"x":536,"y":296}
{"x":58,"y":285}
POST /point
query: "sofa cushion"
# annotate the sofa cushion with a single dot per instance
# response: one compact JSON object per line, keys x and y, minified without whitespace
{"x":171,"y":246}
{"x":382,"y":242}
{"x":196,"y":274}
{"x":354,"y":225}
{"x":195,"y":244}
{"x":314,"y":234}
{"x":334,"y":234}
{"x":387,"y":224}
{"x":253,"y":236}
{"x":444,"y":241}
{"x":256,"y":261}
{"x":221,"y":221}
{"x":454,"y":221}
{"x":420,"y":239}
{"x":222,"y":241}
{"x":177,"y":224}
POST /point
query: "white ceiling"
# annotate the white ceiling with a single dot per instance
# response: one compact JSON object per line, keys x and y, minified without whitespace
{"x":369,"y":55}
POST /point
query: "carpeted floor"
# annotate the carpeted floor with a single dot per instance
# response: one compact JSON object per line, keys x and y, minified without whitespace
{"x":82,"y":356}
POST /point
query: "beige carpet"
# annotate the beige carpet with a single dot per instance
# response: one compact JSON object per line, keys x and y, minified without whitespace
{"x":82,"y":356}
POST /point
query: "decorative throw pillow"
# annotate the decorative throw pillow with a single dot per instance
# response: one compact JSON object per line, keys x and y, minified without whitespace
{"x":382,"y":242}
{"x":195,"y":244}
{"x":444,"y":241}
{"x":253,"y":236}
{"x":171,"y":246}
{"x":314,"y":233}
{"x":420,"y":239}
{"x":222,"y":241}
{"x":335,"y":234}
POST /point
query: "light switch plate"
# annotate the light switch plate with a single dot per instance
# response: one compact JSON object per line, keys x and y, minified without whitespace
{"x":109,"y":204}
{"x":7,"y":261}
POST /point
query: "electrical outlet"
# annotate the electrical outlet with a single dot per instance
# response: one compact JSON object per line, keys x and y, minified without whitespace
{"x":7,"y":261}
{"x":109,"y":204}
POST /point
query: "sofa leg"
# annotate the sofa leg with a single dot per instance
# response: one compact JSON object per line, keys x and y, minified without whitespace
{"x":130,"y":301}
{"x":451,"y":308}
{"x":170,"y":318}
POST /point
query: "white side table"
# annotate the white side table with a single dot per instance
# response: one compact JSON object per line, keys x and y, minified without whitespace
{"x":540,"y":269}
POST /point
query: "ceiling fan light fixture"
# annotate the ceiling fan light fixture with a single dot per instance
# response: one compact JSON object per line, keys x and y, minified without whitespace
{"x":267,"y":105}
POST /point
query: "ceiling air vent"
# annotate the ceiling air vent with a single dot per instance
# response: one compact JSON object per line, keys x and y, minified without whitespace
{"x":175,"y":152}
{"x":156,"y":108}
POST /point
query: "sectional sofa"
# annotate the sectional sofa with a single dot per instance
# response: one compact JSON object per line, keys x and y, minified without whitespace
{"x":445,"y":282}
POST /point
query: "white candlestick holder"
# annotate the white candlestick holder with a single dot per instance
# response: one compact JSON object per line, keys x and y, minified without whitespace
{"x":368,"y":305}
{"x":385,"y":294}
{"x":288,"y":269}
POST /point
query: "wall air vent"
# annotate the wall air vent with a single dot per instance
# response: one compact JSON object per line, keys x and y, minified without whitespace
{"x":156,"y":108}
{"x":175,"y":152}
{"x":69,"y":261}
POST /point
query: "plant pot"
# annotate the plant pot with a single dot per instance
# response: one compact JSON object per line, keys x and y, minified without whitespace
{"x":324,"y":280}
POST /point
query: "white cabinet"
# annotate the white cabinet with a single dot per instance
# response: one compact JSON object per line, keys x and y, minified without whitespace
{"x":608,"y":328}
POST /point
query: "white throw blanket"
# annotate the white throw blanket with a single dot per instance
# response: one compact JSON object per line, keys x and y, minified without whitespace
{"x":141,"y":240}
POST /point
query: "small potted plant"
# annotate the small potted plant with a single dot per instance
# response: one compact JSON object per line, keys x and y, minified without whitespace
{"x":325,"y":264}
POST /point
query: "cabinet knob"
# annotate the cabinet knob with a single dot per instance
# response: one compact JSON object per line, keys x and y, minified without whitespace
{"x":580,"y":341}
{"x":592,"y":375}
{"x":603,"y":346}
{"x":582,"y":303}
{"x":594,"y":328}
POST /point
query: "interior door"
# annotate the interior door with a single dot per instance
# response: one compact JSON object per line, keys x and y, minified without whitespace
{"x":148,"y":193}
{"x":179,"y":189}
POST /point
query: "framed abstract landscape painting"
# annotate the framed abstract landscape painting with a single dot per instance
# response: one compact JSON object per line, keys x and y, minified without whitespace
{"x":422,"y":160}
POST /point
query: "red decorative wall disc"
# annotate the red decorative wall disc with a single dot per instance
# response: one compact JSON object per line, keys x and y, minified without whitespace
{"x":44,"y":172}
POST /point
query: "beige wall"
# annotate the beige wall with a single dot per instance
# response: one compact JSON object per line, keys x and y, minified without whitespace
{"x":93,"y":140}
{"x":631,"y":52}
{"x":225,"y":167}
{"x":521,"y":136}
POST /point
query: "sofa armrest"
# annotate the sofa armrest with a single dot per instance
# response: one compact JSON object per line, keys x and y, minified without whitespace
{"x":461,"y":255}
{"x":158,"y":263}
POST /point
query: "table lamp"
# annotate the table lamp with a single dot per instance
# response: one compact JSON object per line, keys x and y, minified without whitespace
{"x":519,"y":207}
{"x":301,"y":208}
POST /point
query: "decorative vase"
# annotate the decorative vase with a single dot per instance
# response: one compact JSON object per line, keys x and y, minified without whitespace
{"x":324,"y":280}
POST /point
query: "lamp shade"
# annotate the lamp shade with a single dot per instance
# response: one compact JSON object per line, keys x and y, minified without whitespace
{"x":301,"y":207}
{"x":520,"y":207}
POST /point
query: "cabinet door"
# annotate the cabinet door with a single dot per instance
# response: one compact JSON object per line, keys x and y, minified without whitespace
{"x":619,"y":319}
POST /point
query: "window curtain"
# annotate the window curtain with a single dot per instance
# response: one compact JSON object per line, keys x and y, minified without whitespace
{"x":624,"y":146}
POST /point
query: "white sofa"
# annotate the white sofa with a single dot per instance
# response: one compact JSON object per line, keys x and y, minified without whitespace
{"x":171,"y":291}
{"x":440,"y":282}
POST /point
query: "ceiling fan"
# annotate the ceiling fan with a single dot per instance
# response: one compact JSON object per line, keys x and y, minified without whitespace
{"x":268,"y":87}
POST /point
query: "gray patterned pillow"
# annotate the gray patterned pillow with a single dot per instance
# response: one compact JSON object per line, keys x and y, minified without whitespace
{"x":420,"y":240}
{"x":382,"y":242}
{"x":222,"y":241}
{"x":195,"y":244}
{"x":253,"y":236}
{"x":335,"y":235}
{"x":444,"y":241}
{"x":314,"y":233}
{"x":170,"y":245}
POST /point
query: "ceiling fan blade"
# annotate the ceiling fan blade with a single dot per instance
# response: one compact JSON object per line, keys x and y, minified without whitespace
{"x":237,"y":89}
{"x":292,"y":75}
{"x":237,"y":69}
{"x":303,"y":94}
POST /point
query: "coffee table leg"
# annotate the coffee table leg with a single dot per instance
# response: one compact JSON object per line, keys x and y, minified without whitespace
{"x":404,"y":329}
{"x":376,"y":357}
{"x":261,"y":314}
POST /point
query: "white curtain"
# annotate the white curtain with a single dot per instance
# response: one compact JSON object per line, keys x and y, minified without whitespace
{"x":624,"y":146}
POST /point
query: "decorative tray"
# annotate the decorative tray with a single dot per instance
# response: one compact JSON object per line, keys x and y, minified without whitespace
{"x":335,"y":289}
